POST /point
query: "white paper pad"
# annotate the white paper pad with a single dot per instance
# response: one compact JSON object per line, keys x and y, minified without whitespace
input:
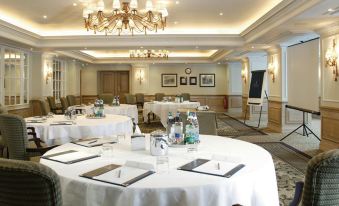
{"x":71,"y":156}
{"x":211,"y":167}
{"x":126,"y":174}
{"x":99,"y":141}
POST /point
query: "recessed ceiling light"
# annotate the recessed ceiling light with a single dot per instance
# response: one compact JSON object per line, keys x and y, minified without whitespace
{"x":176,"y":22}
{"x":252,"y":47}
{"x":330,"y":10}
{"x":197,"y":47}
{"x":221,"y":13}
{"x":219,"y":63}
{"x":177,"y":2}
{"x":44,"y":16}
{"x":85,"y":48}
{"x":75,"y":4}
{"x":141,"y":47}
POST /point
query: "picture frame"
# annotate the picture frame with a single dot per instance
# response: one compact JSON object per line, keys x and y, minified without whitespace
{"x":207,"y":80}
{"x":193,"y":80}
{"x":169,"y":80}
{"x":183,"y":80}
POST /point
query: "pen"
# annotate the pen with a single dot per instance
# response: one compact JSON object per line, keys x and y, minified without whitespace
{"x":218,"y":166}
{"x":94,"y":141}
{"x":119,"y":173}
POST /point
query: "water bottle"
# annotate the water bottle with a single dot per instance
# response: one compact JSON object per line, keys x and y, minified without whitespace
{"x":195,"y":124}
{"x":118,"y":100}
{"x":114,"y":102}
{"x":170,"y":124}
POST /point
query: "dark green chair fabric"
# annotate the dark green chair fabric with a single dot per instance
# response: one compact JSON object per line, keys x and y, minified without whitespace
{"x":186,"y":96}
{"x":321,"y":187}
{"x":159,"y":96}
{"x":207,"y":122}
{"x":130,"y":99}
{"x":45,"y":109}
{"x":140,"y":99}
{"x":3,"y":110}
{"x":53,"y":106}
{"x":108,"y":98}
{"x":64,"y":103}
{"x":3,"y":144}
{"x":24,"y":183}
{"x":71,"y":100}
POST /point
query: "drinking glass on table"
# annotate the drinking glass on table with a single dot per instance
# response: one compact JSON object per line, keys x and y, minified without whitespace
{"x":162,"y":164}
{"x":107,"y":150}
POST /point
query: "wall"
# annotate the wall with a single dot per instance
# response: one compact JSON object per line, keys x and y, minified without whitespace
{"x":73,"y":77}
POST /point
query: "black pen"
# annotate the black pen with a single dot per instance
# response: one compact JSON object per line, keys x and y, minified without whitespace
{"x":94,"y":141}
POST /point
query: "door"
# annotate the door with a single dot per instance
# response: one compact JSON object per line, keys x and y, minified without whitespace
{"x":113,"y":82}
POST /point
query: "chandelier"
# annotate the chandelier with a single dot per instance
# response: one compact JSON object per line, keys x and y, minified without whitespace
{"x":149,"y":54}
{"x":331,"y":59}
{"x":125,"y":17}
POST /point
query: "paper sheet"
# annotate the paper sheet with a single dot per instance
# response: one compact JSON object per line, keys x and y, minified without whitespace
{"x":211,"y":167}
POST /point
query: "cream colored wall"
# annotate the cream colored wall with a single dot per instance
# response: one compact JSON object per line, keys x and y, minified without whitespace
{"x":37,"y":78}
{"x":275,"y":87}
{"x":89,"y":79}
{"x":245,"y":72}
{"x":234,"y":78}
{"x":220,"y":71}
{"x":73,"y":77}
{"x":330,"y":88}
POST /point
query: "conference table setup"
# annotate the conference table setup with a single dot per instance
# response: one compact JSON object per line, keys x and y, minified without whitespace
{"x":58,"y":129}
{"x":221,"y":171}
{"x":161,"y":109}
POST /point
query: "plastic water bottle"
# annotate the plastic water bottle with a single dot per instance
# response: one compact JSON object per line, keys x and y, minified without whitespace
{"x":170,"y":124}
{"x":195,"y":124}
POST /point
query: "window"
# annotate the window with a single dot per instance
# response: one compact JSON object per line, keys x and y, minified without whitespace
{"x":14,"y":77}
{"x":59,"y":88}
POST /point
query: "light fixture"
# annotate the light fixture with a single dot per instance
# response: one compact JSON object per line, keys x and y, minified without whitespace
{"x":44,"y":16}
{"x":48,"y":73}
{"x":272,"y":67}
{"x":140,"y":75}
{"x":124,"y":18}
{"x":331,"y":58}
{"x":244,"y":74}
{"x":147,"y":53}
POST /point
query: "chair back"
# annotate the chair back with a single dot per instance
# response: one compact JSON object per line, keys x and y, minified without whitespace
{"x":64,"y":103}
{"x":321,"y":185}
{"x":130,"y":99}
{"x":13,"y":130}
{"x":159,"y":96}
{"x":186,"y":96}
{"x":207,"y":122}
{"x":28,"y":183}
{"x":140,"y":98}
{"x":3,"y":110}
{"x":45,"y":109}
{"x":108,"y":98}
{"x":71,"y":100}
{"x":51,"y":102}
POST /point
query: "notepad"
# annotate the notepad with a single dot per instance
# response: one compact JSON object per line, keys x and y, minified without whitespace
{"x":126,"y":174}
{"x":94,"y":142}
{"x":70,"y":156}
{"x":216,"y":167}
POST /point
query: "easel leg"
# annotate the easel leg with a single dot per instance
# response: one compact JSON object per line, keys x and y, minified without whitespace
{"x":291,"y":133}
{"x":245,"y":114}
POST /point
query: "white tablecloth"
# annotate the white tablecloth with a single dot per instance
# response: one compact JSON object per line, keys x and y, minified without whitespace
{"x":124,"y":109}
{"x":161,"y":109}
{"x":255,"y":184}
{"x":84,"y":127}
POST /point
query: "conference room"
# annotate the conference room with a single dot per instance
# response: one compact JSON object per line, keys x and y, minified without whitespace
{"x":169,"y":102}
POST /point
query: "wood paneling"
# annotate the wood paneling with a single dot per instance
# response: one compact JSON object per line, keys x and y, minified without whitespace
{"x":275,"y":116}
{"x":244,"y":109}
{"x":329,"y":128}
{"x":113,"y":82}
{"x":25,"y":112}
{"x":234,"y":101}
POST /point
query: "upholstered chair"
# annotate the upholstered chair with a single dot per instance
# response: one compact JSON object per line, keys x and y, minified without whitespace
{"x":130,"y":99}
{"x":14,"y":132}
{"x":108,"y":98}
{"x":71,"y":100}
{"x":64,"y":103}
{"x":186,"y":96}
{"x":321,"y":186}
{"x":207,"y":122}
{"x":28,"y":183}
{"x":3,"y":110}
{"x":53,"y":106}
{"x":140,"y":99}
{"x":159,"y":96}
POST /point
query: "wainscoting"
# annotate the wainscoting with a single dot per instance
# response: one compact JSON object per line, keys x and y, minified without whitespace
{"x":329,"y":128}
{"x":25,"y":112}
{"x":275,"y":111}
{"x":244,"y":105}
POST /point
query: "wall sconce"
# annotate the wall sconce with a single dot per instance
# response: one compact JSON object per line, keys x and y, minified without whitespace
{"x":331,"y":60}
{"x":140,"y":75}
{"x":272,"y":68}
{"x":244,"y":75}
{"x":48,"y":74}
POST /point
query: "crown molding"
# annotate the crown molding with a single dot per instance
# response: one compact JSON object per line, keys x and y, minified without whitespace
{"x":286,"y":10}
{"x":220,"y":55}
{"x":77,"y":55}
{"x":328,"y":31}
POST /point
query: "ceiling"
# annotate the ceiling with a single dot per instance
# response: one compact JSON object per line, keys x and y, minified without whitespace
{"x":195,"y":32}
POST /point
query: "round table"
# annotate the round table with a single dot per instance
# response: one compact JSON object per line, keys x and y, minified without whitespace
{"x":255,"y":184}
{"x":124,"y":109}
{"x":161,"y":109}
{"x":83,"y":127}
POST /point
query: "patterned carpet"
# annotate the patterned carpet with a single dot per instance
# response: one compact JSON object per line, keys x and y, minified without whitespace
{"x":290,"y":163}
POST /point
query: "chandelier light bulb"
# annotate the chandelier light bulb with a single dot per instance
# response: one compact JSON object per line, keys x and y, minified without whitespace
{"x":116,"y":4}
{"x":164,"y":12}
{"x":134,"y":4}
{"x":149,"y":5}
{"x":101,"y":5}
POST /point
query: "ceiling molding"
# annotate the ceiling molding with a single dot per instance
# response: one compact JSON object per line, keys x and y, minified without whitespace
{"x":77,"y":55}
{"x":331,"y":30}
{"x":220,"y":55}
{"x":286,"y":10}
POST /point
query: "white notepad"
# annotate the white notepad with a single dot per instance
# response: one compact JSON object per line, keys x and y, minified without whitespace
{"x":211,"y":167}
{"x":99,"y":141}
{"x":69,"y":157}
{"x":126,"y":174}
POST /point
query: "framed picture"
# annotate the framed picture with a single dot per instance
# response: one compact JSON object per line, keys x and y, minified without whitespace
{"x":193,"y":80}
{"x":207,"y":80}
{"x":169,"y":80}
{"x":183,"y":80}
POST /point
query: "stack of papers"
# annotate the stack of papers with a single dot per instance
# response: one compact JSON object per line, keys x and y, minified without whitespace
{"x":216,"y":167}
{"x":69,"y":157}
{"x":93,"y":142}
{"x":121,"y":175}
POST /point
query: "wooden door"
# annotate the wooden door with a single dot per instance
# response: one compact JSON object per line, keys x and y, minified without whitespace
{"x":113,"y":82}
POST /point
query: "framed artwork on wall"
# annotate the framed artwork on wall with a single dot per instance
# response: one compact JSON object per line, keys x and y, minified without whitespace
{"x":183,"y":80}
{"x":193,"y":80}
{"x":207,"y":80}
{"x":169,"y":80}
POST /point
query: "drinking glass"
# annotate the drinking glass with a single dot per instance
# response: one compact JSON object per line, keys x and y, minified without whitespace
{"x":162,"y":164}
{"x":107,"y":150}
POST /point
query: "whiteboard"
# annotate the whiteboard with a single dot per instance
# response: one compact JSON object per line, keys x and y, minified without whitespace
{"x":257,"y":87}
{"x":303,"y":79}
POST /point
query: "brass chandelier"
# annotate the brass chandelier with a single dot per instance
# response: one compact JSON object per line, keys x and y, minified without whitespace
{"x":124,"y":18}
{"x":147,"y":53}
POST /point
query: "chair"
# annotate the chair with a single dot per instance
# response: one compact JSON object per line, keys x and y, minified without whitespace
{"x":321,"y":185}
{"x":130,"y":99}
{"x":28,"y":183}
{"x":64,"y":103}
{"x":108,"y":98}
{"x":39,"y":107}
{"x":159,"y":96}
{"x":207,"y":122}
{"x":53,"y":106}
{"x":14,"y":131}
{"x":3,"y":110}
{"x":186,"y":96}
{"x":140,"y":99}
{"x":71,"y":100}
